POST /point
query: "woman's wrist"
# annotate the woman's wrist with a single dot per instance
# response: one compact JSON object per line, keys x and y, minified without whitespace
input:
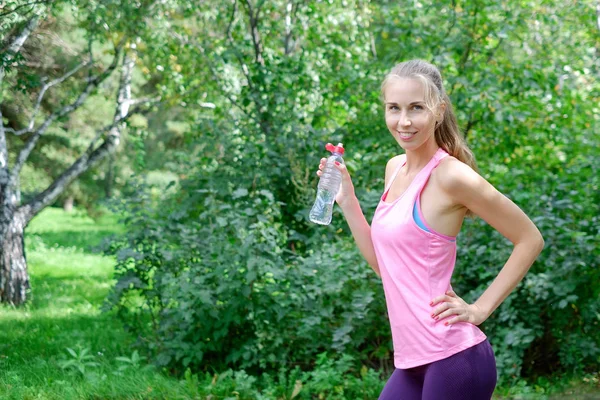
{"x":486,"y":310}
{"x":349,"y":204}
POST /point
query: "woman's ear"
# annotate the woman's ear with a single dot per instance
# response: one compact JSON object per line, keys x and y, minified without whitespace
{"x":439,"y":117}
{"x":442,"y":108}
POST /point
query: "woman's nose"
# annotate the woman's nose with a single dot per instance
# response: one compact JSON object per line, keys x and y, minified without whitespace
{"x":404,"y":120}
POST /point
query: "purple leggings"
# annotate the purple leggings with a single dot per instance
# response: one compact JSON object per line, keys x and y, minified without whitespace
{"x":467,"y":375}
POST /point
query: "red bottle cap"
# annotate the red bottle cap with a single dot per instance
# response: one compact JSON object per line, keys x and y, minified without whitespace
{"x":335,"y":149}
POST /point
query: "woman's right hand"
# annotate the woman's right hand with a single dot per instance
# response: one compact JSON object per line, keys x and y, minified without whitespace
{"x":346,"y":192}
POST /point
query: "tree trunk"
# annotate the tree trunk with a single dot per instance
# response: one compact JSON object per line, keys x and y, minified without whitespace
{"x":110,"y":177}
{"x":14,"y":279}
{"x":68,"y":204}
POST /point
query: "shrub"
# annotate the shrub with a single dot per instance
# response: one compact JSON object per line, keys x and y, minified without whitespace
{"x":211,"y":285}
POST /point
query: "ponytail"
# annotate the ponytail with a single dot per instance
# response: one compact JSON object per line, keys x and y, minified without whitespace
{"x":449,"y":137}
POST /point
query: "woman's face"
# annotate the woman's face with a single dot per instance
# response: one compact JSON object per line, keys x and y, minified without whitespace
{"x":407,"y":117}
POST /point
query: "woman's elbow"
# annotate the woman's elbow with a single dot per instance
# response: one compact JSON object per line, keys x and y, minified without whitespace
{"x":538,"y":242}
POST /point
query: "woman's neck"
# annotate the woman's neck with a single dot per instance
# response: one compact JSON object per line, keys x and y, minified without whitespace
{"x":418,"y":158}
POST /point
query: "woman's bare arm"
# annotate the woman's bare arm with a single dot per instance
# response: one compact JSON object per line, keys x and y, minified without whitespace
{"x":468,"y":188}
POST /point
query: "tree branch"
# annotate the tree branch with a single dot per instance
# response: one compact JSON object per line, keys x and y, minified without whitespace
{"x":137,"y":109}
{"x":90,"y":87}
{"x":12,"y":49}
{"x":598,"y":14}
{"x":253,"y":92}
{"x":21,"y":6}
{"x":17,"y":42}
{"x":143,"y":101}
{"x":290,"y":20}
{"x":259,"y":6}
{"x":93,"y":154}
{"x":216,"y":76}
{"x":57,"y":41}
{"x":438,"y":49}
{"x":288,"y":27}
{"x":598,"y":22}
{"x":230,"y":25}
{"x":234,"y":47}
{"x":465,"y":57}
{"x":261,"y":123}
{"x":470,"y":124}
{"x":493,"y":51}
{"x":3,"y":154}
{"x":47,"y":86}
{"x":254,"y":33}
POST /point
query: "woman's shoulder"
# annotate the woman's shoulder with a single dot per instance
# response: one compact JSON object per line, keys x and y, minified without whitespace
{"x":453,"y":174}
{"x":392,"y":165}
{"x":394,"y":161}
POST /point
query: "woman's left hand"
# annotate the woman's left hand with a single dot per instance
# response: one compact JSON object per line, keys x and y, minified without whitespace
{"x":452,"y":305}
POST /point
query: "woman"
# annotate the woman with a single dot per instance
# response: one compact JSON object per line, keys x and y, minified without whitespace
{"x":439,"y":352}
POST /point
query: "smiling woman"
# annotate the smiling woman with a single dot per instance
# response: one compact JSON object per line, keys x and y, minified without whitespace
{"x":405,"y":118}
{"x":415,"y":102}
{"x":439,"y":351}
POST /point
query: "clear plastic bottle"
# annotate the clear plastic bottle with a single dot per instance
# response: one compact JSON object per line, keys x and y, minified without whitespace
{"x":329,"y":185}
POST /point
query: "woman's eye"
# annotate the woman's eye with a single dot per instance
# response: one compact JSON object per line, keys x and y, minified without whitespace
{"x":417,"y":107}
{"x":393,"y":108}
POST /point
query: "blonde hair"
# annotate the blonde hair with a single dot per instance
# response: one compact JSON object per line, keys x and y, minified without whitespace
{"x":447,"y":134}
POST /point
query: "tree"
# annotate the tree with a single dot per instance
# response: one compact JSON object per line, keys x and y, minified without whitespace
{"x":15,"y":214}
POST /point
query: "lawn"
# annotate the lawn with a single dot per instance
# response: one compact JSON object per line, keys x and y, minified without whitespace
{"x":69,"y":281}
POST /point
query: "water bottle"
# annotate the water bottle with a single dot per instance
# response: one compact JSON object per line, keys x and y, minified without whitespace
{"x":329,"y":185}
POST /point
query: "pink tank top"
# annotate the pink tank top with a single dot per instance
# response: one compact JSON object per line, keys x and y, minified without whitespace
{"x":416,"y":265}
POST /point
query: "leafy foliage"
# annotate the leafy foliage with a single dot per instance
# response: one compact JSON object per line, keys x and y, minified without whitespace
{"x":239,"y":290}
{"x":80,"y":361}
{"x":220,"y":268}
{"x":226,"y":272}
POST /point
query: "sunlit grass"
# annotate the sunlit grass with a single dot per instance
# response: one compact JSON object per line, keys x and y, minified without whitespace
{"x":69,"y":281}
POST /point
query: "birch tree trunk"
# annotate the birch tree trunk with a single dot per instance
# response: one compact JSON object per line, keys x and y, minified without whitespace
{"x":68,"y":204}
{"x":14,"y":279}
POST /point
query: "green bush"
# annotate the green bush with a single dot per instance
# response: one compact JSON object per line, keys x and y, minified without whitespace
{"x":210,"y":285}
{"x":332,"y":378}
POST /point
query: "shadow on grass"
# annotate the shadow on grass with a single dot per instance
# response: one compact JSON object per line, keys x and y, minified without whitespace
{"x":47,"y":337}
{"x":91,"y":242}
{"x":62,"y":312}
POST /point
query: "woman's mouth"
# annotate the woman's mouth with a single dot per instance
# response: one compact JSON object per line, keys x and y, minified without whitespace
{"x":406,"y":135}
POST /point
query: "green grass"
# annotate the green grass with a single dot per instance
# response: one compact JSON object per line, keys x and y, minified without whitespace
{"x":70,"y":280}
{"x":553,"y":388}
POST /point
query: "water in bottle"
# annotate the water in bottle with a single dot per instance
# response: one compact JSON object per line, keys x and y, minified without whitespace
{"x":329,"y":185}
